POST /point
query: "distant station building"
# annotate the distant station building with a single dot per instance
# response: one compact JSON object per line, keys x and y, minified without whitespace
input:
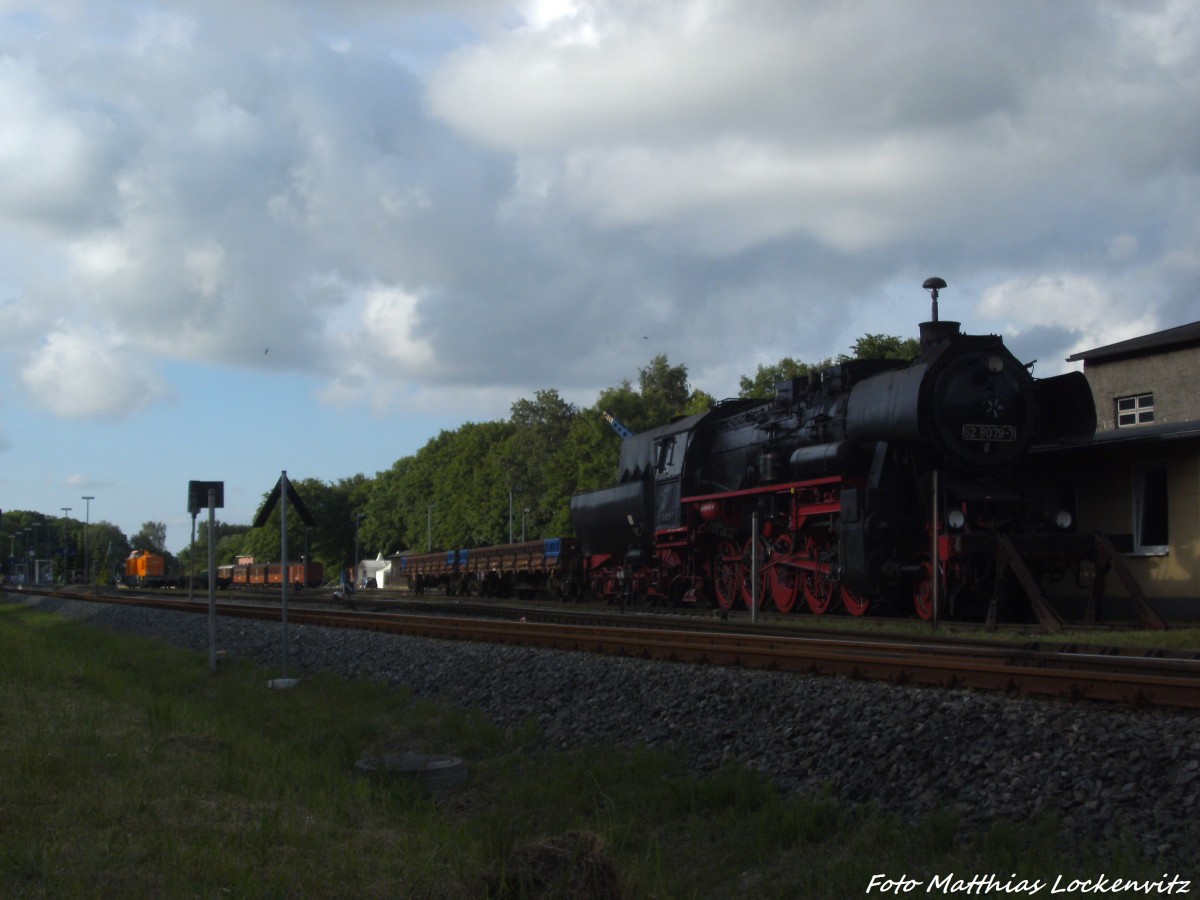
{"x":1139,"y":478}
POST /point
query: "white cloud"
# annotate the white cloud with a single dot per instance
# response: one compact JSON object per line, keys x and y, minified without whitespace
{"x":100,"y":256}
{"x":87,"y":374}
{"x":159,"y":30}
{"x":406,"y":200}
{"x":1093,"y":313}
{"x":52,"y":157}
{"x":223,"y":126}
{"x":206,"y":266}
{"x":377,"y":351}
{"x":390,"y":321}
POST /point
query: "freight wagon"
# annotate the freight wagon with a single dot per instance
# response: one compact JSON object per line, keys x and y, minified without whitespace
{"x":552,"y":567}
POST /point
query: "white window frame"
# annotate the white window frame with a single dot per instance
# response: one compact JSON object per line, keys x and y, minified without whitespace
{"x":1134,"y":410}
{"x":1151,"y":477}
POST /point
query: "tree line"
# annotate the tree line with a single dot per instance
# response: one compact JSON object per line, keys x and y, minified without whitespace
{"x":484,"y":482}
{"x":35,"y":546}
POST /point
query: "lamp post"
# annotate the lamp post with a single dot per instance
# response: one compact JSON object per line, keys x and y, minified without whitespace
{"x":33,"y":560}
{"x":523,"y":512}
{"x":358,"y":520}
{"x":27,"y":551}
{"x":66,"y":571}
{"x":87,"y":548}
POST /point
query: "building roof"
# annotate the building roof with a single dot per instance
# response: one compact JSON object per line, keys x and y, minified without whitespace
{"x":1145,"y":434}
{"x":1141,"y":435}
{"x":1171,"y":339}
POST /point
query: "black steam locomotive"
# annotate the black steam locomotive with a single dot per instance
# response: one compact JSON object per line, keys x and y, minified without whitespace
{"x":851,"y":488}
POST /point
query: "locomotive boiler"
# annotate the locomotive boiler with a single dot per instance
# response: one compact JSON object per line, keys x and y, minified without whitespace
{"x":870,"y":481}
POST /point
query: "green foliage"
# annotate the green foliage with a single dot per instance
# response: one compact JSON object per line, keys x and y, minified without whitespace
{"x":383,"y":529}
{"x":334,"y":509}
{"x":664,"y":391}
{"x":63,"y":541}
{"x":869,"y":346}
{"x":762,"y":385}
{"x":698,"y":402}
{"x":231,"y":541}
{"x":531,"y":458}
{"x":152,"y":537}
{"x":457,"y":490}
{"x":886,"y":346}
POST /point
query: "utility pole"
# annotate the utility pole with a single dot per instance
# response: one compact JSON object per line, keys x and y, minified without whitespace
{"x":66,"y":572}
{"x":87,"y":521}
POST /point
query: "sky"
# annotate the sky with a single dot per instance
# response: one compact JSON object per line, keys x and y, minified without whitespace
{"x":238,"y":239}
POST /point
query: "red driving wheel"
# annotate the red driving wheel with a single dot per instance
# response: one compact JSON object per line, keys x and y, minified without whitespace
{"x":784,"y":580}
{"x":727,"y":574}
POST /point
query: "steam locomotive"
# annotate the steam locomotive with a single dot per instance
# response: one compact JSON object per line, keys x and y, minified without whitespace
{"x":870,"y":483}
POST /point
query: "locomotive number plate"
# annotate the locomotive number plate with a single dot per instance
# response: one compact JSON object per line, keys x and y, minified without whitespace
{"x":989,"y":433}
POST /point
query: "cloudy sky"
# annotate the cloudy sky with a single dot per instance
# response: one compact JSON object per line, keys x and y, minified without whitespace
{"x":243,"y":237}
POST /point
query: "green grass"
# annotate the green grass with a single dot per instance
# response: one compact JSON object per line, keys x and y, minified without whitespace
{"x":131,"y":770}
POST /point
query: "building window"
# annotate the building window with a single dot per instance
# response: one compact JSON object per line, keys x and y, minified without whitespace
{"x":1138,"y":410}
{"x":1150,"y":509}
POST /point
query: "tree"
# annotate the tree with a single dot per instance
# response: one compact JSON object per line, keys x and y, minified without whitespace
{"x":107,"y":550}
{"x":454,"y":492}
{"x":869,"y":346}
{"x":383,"y":530}
{"x":230,"y":540}
{"x":586,"y":461}
{"x":531,"y":458}
{"x":762,"y":385}
{"x":699,"y":401}
{"x":664,"y":390}
{"x":330,"y":540}
{"x":886,"y":346}
{"x":152,"y":537}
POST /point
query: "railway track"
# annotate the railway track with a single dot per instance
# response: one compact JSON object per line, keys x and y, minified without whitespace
{"x":1070,"y":672}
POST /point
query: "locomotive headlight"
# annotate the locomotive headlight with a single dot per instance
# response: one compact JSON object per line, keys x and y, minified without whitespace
{"x":955,"y":519}
{"x":995,"y":365}
{"x":1063,"y":519}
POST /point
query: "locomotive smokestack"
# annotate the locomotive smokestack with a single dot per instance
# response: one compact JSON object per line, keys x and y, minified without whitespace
{"x":934,"y":331}
{"x":933,"y":285}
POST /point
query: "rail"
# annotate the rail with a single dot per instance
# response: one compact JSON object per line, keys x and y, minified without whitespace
{"x":1065,"y":672}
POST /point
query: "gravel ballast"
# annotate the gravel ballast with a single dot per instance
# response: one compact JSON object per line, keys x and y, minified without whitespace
{"x":1102,"y":771}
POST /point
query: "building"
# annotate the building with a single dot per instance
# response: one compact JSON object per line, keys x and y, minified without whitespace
{"x":1138,"y":480}
{"x":1149,"y":380}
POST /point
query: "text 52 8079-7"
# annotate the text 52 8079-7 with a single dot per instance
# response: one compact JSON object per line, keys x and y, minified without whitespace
{"x":989,"y":433}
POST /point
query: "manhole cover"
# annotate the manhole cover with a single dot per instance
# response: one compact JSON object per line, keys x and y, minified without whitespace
{"x":433,"y":772}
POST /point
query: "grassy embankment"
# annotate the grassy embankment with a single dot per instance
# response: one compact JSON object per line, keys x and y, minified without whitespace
{"x":129,"y":770}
